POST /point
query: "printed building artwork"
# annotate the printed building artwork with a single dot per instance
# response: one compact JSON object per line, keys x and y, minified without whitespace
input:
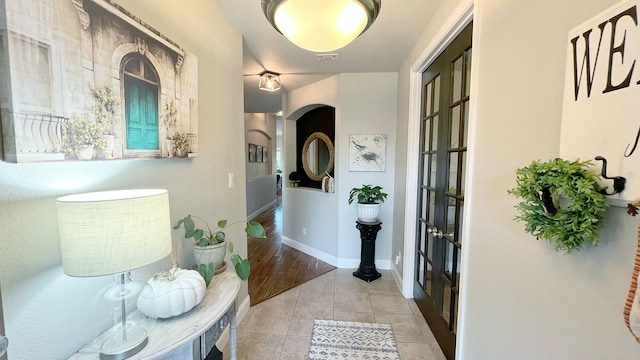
{"x":367,"y":152}
{"x":86,"y":79}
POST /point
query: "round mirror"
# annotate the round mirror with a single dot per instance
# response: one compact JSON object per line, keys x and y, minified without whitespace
{"x":317,"y":156}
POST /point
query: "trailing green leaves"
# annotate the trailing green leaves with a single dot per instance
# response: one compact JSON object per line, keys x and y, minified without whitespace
{"x":206,"y":271}
{"x":242,"y":266}
{"x":216,"y":236}
{"x":572,"y":190}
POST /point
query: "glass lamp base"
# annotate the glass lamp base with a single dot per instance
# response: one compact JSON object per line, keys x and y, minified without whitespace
{"x":117,"y":348}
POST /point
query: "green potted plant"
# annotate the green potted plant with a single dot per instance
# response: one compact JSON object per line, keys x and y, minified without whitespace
{"x":169,"y":122}
{"x":180,"y":144}
{"x":210,"y":245}
{"x":561,"y":202}
{"x":81,"y":137}
{"x":369,"y":199}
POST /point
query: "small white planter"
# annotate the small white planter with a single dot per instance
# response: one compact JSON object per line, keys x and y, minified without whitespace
{"x":210,"y":254}
{"x":368,"y":212}
{"x":84,"y":152}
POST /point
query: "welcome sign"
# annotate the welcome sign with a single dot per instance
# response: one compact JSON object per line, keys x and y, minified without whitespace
{"x":601,"y":104}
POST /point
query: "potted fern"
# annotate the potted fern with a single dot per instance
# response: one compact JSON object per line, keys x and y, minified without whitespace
{"x":210,"y":245}
{"x":369,"y":199}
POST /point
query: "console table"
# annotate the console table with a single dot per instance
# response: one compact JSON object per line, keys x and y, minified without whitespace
{"x":204,"y":322}
{"x":368,"y":233}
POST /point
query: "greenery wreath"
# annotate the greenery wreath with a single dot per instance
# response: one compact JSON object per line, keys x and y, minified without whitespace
{"x":562,"y":202}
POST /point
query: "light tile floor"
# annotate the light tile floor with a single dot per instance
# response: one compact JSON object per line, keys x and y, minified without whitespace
{"x":280,"y":328}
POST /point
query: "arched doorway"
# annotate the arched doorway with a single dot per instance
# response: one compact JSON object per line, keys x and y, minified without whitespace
{"x":141,"y":88}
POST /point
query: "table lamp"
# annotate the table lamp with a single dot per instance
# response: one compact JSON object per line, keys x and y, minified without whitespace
{"x":113,"y":232}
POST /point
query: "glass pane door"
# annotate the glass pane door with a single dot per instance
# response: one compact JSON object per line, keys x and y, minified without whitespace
{"x":443,"y":153}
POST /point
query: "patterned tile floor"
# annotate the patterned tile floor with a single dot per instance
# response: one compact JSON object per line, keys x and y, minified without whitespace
{"x":280,"y":328}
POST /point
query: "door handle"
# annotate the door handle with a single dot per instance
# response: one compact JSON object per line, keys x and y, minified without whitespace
{"x":435,"y":232}
{"x":4,"y":344}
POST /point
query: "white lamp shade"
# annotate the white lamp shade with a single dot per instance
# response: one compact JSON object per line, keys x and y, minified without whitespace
{"x":324,"y":25}
{"x":110,"y":232}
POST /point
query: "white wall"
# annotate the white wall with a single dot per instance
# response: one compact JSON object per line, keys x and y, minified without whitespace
{"x":520,"y":298}
{"x":46,"y":311}
{"x":365,"y":104}
{"x":260,"y":129}
{"x":304,"y":207}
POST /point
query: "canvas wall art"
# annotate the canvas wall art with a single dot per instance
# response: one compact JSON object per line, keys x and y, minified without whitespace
{"x":599,"y":112}
{"x":367,"y":152}
{"x":87,"y":79}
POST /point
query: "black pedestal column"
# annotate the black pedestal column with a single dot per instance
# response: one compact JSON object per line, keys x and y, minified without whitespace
{"x":368,"y":232}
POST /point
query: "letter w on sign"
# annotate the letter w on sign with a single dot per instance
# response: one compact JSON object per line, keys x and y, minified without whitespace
{"x":600,"y":108}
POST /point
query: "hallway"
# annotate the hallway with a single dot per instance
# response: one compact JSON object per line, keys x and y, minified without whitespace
{"x":275,"y":267}
{"x":280,"y":328}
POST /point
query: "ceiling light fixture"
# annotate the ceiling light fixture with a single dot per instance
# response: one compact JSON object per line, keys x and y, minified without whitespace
{"x":322,"y":25}
{"x":269,"y":81}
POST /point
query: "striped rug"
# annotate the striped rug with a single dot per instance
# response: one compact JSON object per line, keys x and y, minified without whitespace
{"x":352,"y":340}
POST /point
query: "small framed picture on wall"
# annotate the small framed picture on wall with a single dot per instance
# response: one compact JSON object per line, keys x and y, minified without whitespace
{"x":258,"y":153}
{"x":252,"y":153}
{"x":265,"y":154}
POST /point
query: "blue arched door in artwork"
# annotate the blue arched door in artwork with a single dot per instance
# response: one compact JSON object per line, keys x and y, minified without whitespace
{"x":141,"y":104}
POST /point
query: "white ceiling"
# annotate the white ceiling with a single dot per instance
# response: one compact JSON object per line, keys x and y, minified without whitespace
{"x":382,"y":48}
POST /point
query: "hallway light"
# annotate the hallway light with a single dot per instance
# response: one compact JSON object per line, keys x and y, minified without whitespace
{"x":321,"y":25}
{"x":269,"y":81}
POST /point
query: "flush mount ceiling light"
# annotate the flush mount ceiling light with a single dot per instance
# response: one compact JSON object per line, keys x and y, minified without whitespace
{"x":321,"y":25}
{"x":269,"y":81}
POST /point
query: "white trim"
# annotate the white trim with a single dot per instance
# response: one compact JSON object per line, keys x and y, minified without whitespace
{"x":469,"y":185}
{"x":398,"y":279}
{"x":330,"y":259}
{"x":460,"y":18}
{"x":242,"y":310}
{"x":257,"y":212}
{"x":355,"y":263}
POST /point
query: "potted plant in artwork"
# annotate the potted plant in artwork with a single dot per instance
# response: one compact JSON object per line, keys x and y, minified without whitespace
{"x":169,"y":122}
{"x":81,"y":137}
{"x":180,"y":144}
{"x":105,"y":110}
{"x":369,"y":199}
{"x":210,"y":245}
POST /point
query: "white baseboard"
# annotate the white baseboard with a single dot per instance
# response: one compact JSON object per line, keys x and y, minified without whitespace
{"x":330,"y":259}
{"x":242,"y":310}
{"x":257,"y":212}
{"x":398,"y":279}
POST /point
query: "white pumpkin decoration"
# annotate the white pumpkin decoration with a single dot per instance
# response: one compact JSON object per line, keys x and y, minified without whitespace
{"x":171,"y":293}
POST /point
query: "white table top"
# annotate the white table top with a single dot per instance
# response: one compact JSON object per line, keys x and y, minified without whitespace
{"x":166,"y":335}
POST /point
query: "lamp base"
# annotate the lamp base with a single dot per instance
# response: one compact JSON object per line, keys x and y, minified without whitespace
{"x":117,"y":348}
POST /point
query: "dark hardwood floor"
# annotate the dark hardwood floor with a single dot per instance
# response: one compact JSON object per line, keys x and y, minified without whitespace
{"x":275,"y":267}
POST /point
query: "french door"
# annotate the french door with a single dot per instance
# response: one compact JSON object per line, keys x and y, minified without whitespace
{"x":443,"y":150}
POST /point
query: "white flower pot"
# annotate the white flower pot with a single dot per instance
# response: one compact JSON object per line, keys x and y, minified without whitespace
{"x":84,"y":152}
{"x":368,"y":212}
{"x":210,"y":254}
{"x":110,"y":140}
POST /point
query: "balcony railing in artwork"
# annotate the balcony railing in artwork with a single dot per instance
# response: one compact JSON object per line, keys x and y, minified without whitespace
{"x":38,"y":133}
{"x":193,"y":142}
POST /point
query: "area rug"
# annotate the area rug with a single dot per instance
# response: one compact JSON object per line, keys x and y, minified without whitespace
{"x":352,"y":340}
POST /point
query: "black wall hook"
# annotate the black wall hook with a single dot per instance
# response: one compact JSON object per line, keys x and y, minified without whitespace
{"x":618,"y":181}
